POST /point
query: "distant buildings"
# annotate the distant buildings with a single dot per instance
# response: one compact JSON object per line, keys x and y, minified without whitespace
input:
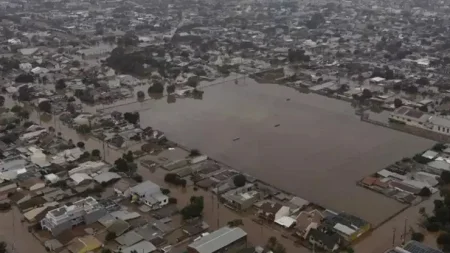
{"x":416,"y":118}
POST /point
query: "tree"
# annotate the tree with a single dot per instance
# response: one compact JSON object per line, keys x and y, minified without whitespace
{"x":60,"y":84}
{"x":16,"y":109}
{"x":110,"y":236}
{"x":84,"y":129}
{"x":366,"y":94}
{"x":85,"y":155}
{"x":137,"y":178}
{"x":417,"y":237}
{"x":445,"y":177}
{"x":45,"y":106}
{"x":194,"y":209}
{"x":131,"y":117}
{"x":80,"y":144}
{"x":439,"y":147}
{"x":239,"y":180}
{"x":128,"y":157}
{"x":423,"y":81}
{"x":24,"y":114}
{"x":96,"y":153}
{"x":140,"y":95}
{"x":156,"y":88}
{"x":170,"y":89}
{"x":443,"y":239}
{"x":76,"y":64}
{"x":106,"y":250}
{"x":194,"y":152}
{"x":425,"y":192}
{"x":24,"y":78}
{"x":27,"y":124}
{"x":3,"y":247}
{"x":71,"y":99}
{"x":272,"y":242}
{"x":398,"y":103}
{"x":2,"y":100}
{"x":173,"y":200}
{"x":165,"y":191}
{"x":24,"y":93}
{"x":121,"y":165}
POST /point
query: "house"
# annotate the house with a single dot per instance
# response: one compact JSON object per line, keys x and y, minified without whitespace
{"x":89,"y":167}
{"x":307,"y":221}
{"x":269,"y":210}
{"x":225,"y":239}
{"x":84,"y":244}
{"x":324,"y":238}
{"x":106,"y":177}
{"x":128,"y":239}
{"x":85,"y":211}
{"x":346,"y":225}
{"x":241,"y":198}
{"x":150,"y":194}
{"x":32,"y":184}
{"x":123,"y":186}
{"x":140,"y":247}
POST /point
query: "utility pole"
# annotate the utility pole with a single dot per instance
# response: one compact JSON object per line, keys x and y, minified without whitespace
{"x":404,"y":232}
{"x":393,"y":237}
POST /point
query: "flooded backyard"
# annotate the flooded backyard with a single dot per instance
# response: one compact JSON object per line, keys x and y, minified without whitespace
{"x":310,"y":145}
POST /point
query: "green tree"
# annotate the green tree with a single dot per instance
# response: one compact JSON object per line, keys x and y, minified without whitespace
{"x":239,"y":180}
{"x":439,"y":147}
{"x":417,"y":237}
{"x":45,"y":106}
{"x":156,"y":88}
{"x":398,"y":102}
{"x":80,"y":144}
{"x":60,"y":84}
{"x":194,"y":209}
{"x":443,"y":239}
{"x":84,"y":129}
{"x":170,"y":89}
{"x":110,"y":236}
{"x":96,"y":153}
{"x":425,"y":192}
{"x":445,"y":177}
{"x":3,"y":247}
{"x":121,"y":165}
{"x":194,"y":152}
{"x":140,"y":95}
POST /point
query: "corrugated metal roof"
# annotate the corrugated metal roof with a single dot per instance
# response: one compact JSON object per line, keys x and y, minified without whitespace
{"x":218,"y":239}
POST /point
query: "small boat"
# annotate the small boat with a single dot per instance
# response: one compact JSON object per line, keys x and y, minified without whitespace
{"x":277,"y":125}
{"x":236,"y":139}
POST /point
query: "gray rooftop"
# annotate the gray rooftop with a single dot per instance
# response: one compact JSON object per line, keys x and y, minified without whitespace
{"x":147,"y":187}
{"x":218,"y":239}
{"x":417,"y":247}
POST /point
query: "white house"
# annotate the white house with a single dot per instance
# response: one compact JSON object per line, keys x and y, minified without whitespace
{"x":150,"y":194}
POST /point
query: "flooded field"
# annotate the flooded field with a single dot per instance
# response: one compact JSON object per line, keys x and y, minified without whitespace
{"x":307,"y":144}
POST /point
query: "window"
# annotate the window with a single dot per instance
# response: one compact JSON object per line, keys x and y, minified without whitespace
{"x":439,"y":128}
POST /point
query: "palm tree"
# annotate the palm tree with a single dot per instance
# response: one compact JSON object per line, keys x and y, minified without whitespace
{"x":3,"y":246}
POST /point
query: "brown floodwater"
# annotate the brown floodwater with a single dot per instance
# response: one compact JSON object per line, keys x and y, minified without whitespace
{"x":318,"y":151}
{"x":310,"y":145}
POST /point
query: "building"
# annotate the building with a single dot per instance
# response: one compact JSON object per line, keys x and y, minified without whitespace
{"x":150,"y":194}
{"x":412,"y":117}
{"x":241,"y":198}
{"x":414,"y":247}
{"x":85,"y":211}
{"x":223,"y":240}
{"x":84,"y":244}
{"x":325,"y":239}
{"x":346,"y":225}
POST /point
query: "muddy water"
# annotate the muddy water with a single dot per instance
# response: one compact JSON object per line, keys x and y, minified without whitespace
{"x":319,"y":149}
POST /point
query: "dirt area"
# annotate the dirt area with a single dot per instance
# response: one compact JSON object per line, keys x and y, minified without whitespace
{"x":304,"y":145}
